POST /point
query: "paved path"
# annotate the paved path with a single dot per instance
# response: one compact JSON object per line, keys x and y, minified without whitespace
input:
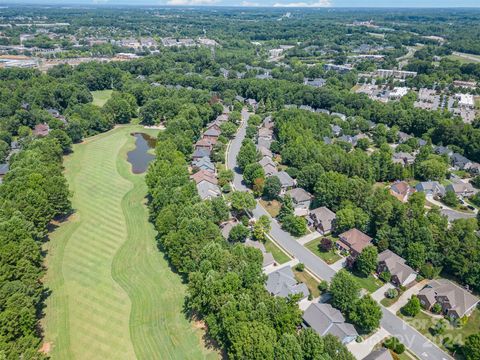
{"x":403,"y":299}
{"x":339,"y":264}
{"x":360,"y":350}
{"x":233,"y":150}
{"x":380,"y":293}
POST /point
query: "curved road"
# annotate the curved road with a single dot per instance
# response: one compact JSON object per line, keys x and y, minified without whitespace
{"x":422,"y":347}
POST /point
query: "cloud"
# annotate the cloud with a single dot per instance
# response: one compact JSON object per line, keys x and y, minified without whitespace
{"x":191,"y":2}
{"x":250,"y":4}
{"x":319,"y":3}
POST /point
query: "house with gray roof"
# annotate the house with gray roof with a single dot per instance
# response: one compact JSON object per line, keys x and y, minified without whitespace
{"x":264,"y":151}
{"x":268,"y":260}
{"x":204,"y":163}
{"x":442,"y":150}
{"x":207,"y":190}
{"x":322,"y":111}
{"x":433,"y":188}
{"x":339,"y":115}
{"x":337,"y":130}
{"x":317,"y":82}
{"x":323,"y":219}
{"x":201,"y":152}
{"x":460,"y":162}
{"x":240,"y":98}
{"x":270,"y":170}
{"x":282,"y":283}
{"x":325,"y":319}
{"x":402,"y":274}
{"x":4,"y":169}
{"x":380,"y":354}
{"x":460,"y":188}
{"x":455,"y":301}
{"x":286,"y":181}
{"x":264,"y":142}
{"x":403,"y":137}
{"x":266,"y":160}
{"x":301,"y":201}
{"x":403,"y":158}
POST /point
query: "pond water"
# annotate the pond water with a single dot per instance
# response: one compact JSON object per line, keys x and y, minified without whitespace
{"x":140,"y":157}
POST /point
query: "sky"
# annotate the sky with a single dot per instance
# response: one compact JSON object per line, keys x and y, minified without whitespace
{"x":269,"y":3}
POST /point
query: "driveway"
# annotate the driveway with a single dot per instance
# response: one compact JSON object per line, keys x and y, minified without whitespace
{"x":360,"y":350}
{"x":380,"y":293}
{"x":339,"y":264}
{"x":403,"y":299}
{"x":309,"y":237}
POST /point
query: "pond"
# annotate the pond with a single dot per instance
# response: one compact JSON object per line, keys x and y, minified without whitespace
{"x":140,"y":156}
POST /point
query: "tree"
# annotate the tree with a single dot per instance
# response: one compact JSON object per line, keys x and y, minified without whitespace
{"x":252,"y":172}
{"x":366,"y":314}
{"x":220,"y":210}
{"x":261,"y":228}
{"x":351,"y":217}
{"x":416,"y":255}
{"x":471,"y":349}
{"x":335,"y":349}
{"x":311,"y":344}
{"x":450,"y":198}
{"x":326,"y":244}
{"x":272,"y":188}
{"x":287,"y":208}
{"x":367,"y":261}
{"x":225,"y":176}
{"x":248,"y":154}
{"x":242,"y":201}
{"x":239,"y":233}
{"x":63,"y":139}
{"x":288,"y":348}
{"x":412,"y":308}
{"x":432,"y":169}
{"x":295,"y":225}
{"x":345,"y":291}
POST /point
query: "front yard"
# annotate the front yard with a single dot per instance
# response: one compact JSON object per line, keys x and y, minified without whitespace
{"x":329,"y":257}
{"x":370,"y":283}
{"x":423,"y":322}
{"x":272,"y":207}
{"x":310,"y":281}
{"x":279,"y":256}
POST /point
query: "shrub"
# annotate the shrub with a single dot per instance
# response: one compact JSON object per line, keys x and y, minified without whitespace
{"x":385,"y":276}
{"x":325,"y":245}
{"x":391,"y":293}
{"x":412,"y":308}
{"x":437,"y":308}
{"x":300,"y":267}
{"x":323,"y":286}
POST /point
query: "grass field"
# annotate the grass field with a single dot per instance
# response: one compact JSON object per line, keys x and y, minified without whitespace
{"x":279,"y":256}
{"x":329,"y":257}
{"x":464,"y":58}
{"x":100,"y":97}
{"x":113,"y":294}
{"x":309,"y":280}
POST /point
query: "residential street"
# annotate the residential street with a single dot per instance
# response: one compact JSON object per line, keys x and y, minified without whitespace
{"x":416,"y":342}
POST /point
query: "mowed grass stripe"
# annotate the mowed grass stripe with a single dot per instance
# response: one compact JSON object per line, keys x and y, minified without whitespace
{"x":114,"y":296}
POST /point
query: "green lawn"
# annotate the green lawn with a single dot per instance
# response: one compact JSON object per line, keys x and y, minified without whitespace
{"x":279,"y":256}
{"x":113,"y":294}
{"x":272,"y":207}
{"x":422,"y":322}
{"x":369,"y":283}
{"x":465,"y":58}
{"x":329,"y":257}
{"x":309,"y":280}
{"x":100,"y":97}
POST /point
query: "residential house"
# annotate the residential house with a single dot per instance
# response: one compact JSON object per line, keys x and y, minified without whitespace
{"x":265,"y":133}
{"x":402,"y":274}
{"x":268,"y":123}
{"x":207,"y":190}
{"x":473,"y":168}
{"x":200,"y":153}
{"x":240,"y":99}
{"x":301,"y":201}
{"x":41,"y":130}
{"x":264,"y":142}
{"x":353,"y":241}
{"x":266,"y":160}
{"x":204,"y":164}
{"x":337,"y":130}
{"x":442,"y":150}
{"x":268,"y":260}
{"x":264,"y":151}
{"x":322,"y":111}
{"x":306,"y":108}
{"x":204,"y":175}
{"x":403,"y":137}
{"x":380,"y":354}
{"x":401,"y":190}
{"x":227,"y":226}
{"x":282,"y":283}
{"x":461,"y":188}
{"x":403,"y":158}
{"x":431,"y":188}
{"x":323,"y":219}
{"x":460,"y":162}
{"x":222,"y":118}
{"x":212,"y":133}
{"x":4,"y":169}
{"x":455,"y":301}
{"x":253,"y":103}
{"x":270,"y":170}
{"x":325,"y":319}
{"x":286,"y":181}
{"x":204,"y":143}
{"x":317,"y":82}
{"x":339,"y":115}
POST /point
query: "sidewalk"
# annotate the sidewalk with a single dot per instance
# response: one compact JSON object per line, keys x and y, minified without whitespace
{"x":309,"y":237}
{"x":339,"y":264}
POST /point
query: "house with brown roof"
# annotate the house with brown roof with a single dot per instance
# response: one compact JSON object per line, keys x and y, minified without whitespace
{"x":353,"y":241}
{"x":455,"y":301}
{"x":41,"y":130}
{"x":301,"y":201}
{"x":380,"y":354}
{"x":204,"y":175}
{"x":212,"y":133}
{"x":402,"y":274}
{"x":323,"y":219}
{"x":401,"y":190}
{"x":204,"y":144}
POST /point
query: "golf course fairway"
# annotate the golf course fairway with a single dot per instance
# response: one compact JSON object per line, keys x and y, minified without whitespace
{"x":113,"y":295}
